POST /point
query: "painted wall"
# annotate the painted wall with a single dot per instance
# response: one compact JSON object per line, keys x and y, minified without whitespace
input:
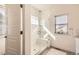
{"x":66,"y":42}
{"x":27,"y":29}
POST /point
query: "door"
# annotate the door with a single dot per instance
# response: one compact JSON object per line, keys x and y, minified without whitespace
{"x":2,"y":28}
{"x":14,"y":38}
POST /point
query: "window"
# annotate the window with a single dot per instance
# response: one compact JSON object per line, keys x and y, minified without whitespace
{"x":34,"y":22}
{"x":61,"y":24}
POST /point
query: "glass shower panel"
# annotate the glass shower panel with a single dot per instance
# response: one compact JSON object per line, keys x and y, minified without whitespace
{"x":38,"y":43}
{"x":34,"y":34}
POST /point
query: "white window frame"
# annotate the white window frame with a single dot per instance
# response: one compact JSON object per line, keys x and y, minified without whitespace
{"x":61,"y":23}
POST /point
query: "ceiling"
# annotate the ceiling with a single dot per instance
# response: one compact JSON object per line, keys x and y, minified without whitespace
{"x":42,"y":7}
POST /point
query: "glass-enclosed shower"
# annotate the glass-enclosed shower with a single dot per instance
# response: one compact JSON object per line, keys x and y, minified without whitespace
{"x":40,"y":39}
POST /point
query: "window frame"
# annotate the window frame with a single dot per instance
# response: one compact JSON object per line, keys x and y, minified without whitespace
{"x":61,"y":24}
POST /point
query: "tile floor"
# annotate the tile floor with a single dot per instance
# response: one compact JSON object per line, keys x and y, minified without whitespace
{"x":52,"y":51}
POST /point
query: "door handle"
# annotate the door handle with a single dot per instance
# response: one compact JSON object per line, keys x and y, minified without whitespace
{"x":5,"y":36}
{"x":21,"y":32}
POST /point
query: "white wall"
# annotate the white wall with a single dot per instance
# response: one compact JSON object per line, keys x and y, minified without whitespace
{"x":66,"y":42}
{"x":27,"y":29}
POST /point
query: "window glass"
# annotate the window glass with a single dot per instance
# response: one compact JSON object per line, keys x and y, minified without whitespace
{"x":34,"y":20}
{"x":61,"y":24}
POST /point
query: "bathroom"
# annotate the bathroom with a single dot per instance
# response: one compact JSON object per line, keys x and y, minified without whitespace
{"x":31,"y":29}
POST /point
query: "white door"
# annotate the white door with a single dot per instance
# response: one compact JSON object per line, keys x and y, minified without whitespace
{"x":2,"y":28}
{"x":13,"y":41}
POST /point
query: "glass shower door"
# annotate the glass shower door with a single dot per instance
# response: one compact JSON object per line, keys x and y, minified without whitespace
{"x":34,"y":34}
{"x":38,"y":43}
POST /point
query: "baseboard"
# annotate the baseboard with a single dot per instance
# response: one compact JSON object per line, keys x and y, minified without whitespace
{"x":77,"y":53}
{"x":68,"y":52}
